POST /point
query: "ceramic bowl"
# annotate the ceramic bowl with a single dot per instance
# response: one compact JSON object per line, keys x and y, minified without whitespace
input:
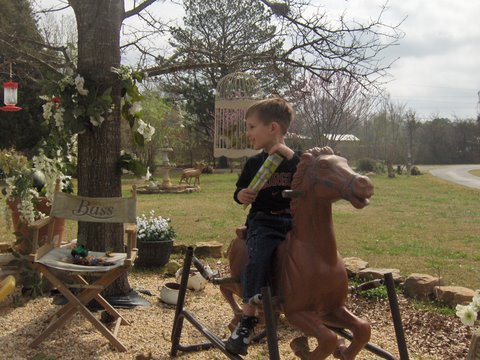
{"x":169,"y":293}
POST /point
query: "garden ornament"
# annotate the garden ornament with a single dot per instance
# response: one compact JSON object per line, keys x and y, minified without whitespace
{"x":309,"y":276}
{"x":196,"y":281}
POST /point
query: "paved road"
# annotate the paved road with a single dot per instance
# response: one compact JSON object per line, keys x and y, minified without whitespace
{"x":458,"y":174}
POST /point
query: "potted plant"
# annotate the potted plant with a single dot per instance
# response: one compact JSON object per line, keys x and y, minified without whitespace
{"x":28,"y":191}
{"x":155,"y":238}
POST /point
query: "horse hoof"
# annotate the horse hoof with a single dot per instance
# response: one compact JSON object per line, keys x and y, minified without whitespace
{"x":300,"y":347}
{"x":338,"y":353}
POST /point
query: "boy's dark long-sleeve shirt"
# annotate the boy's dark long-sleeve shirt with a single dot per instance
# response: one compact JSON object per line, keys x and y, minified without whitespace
{"x":269,"y":198}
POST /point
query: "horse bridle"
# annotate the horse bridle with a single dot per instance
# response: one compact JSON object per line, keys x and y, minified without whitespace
{"x":345,"y":190}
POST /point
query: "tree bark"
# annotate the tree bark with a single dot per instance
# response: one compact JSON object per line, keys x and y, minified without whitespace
{"x":99,"y":24}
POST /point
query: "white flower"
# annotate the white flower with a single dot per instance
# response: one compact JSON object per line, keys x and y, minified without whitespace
{"x":467,"y":314}
{"x":146,"y":130}
{"x":58,"y":117}
{"x":123,"y":71}
{"x":96,"y":120}
{"x":80,"y":85}
{"x":154,"y":228}
{"x":67,"y":80}
{"x":135,"y":108}
{"x":47,"y":110}
{"x":26,"y":209}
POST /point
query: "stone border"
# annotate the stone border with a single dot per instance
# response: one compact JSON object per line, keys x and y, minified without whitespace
{"x":421,"y":287}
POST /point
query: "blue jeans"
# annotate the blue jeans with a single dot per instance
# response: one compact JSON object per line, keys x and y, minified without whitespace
{"x":264,"y":233}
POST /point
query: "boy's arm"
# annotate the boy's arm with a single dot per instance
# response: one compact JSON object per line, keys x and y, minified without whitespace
{"x":283,"y":150}
{"x":242,"y":183}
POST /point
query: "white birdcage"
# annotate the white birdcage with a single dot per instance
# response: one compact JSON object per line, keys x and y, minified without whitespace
{"x":235,"y":93}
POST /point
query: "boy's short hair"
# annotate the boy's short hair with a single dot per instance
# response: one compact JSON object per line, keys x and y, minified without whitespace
{"x":273,"y":109}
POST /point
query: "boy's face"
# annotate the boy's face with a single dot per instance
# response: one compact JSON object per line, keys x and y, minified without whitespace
{"x":260,"y":135}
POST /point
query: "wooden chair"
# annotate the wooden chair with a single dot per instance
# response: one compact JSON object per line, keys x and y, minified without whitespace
{"x":51,"y":259}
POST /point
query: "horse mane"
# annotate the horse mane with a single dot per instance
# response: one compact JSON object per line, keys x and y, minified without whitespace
{"x":303,"y":165}
{"x":305,"y":161}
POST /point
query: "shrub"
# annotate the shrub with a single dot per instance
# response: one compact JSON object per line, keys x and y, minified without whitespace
{"x":415,"y":171}
{"x":366,"y":165}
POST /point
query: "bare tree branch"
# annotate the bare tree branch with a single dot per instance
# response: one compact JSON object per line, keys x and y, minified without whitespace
{"x":33,"y":57}
{"x":138,"y":9}
{"x":51,"y":9}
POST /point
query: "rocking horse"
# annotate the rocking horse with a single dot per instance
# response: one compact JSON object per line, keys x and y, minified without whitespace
{"x":309,"y":276}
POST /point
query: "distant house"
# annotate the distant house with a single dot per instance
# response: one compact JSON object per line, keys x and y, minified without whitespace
{"x":297,"y":141}
{"x":346,"y":145}
{"x":341,"y":137}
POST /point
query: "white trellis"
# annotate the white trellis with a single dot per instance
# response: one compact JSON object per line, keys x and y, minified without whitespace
{"x":234,"y":94}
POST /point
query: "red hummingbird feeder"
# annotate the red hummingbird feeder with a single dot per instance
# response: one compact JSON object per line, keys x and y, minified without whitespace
{"x":10,"y":94}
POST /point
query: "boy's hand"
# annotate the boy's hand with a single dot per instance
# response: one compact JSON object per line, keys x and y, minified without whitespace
{"x":283,"y":150}
{"x":246,"y":196}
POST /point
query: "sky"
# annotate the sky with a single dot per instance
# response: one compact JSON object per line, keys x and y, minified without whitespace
{"x":436,"y":73}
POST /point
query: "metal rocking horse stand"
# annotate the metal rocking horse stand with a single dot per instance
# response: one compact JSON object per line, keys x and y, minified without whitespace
{"x":182,"y":314}
{"x":270,"y":331}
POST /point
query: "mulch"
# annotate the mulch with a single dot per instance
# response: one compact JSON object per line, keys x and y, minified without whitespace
{"x":429,"y":335}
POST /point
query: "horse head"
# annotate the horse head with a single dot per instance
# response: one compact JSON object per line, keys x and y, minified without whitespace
{"x":322,"y":174}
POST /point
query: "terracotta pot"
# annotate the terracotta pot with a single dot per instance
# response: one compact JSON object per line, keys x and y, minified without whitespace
{"x":25,"y":246}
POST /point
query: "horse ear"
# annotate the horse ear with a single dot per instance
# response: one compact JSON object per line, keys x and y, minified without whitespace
{"x":292,"y":193}
{"x":306,"y":156}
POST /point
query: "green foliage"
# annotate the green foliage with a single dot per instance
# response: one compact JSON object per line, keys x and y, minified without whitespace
{"x":376,"y":293}
{"x":29,"y":277}
{"x":130,"y":162}
{"x":366,"y":165}
{"x":11,"y":162}
{"x":131,"y":94}
{"x":159,"y":114}
{"x":74,"y":104}
{"x":22,"y":129}
{"x":434,"y":306}
{"x":415,"y":171}
{"x":232,"y":36}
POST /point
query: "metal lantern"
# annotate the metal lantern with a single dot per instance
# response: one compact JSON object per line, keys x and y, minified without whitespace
{"x":235,"y":93}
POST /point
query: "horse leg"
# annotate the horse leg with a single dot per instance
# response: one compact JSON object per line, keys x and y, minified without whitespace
{"x":360,"y":330}
{"x":311,"y":324}
{"x":227,"y":291}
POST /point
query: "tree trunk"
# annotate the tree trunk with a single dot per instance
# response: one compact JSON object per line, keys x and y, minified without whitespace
{"x":98,"y":24}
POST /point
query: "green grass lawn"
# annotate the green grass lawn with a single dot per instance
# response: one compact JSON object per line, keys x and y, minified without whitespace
{"x":416,"y":224}
{"x":475,"y":172}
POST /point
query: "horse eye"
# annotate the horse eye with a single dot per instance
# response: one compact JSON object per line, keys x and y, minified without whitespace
{"x":324,"y":164}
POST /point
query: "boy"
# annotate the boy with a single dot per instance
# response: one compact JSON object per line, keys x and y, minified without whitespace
{"x":269,"y":218}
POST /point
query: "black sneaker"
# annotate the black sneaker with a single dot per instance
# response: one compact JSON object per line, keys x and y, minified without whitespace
{"x":238,"y":342}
